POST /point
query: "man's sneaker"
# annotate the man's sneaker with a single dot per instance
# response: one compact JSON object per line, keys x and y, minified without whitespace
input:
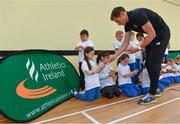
{"x":158,"y":93}
{"x":147,"y":99}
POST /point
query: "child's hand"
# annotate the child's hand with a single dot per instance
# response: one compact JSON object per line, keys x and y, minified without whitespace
{"x":81,"y":47}
{"x":112,"y":73}
{"x":136,"y":71}
{"x":106,"y":60}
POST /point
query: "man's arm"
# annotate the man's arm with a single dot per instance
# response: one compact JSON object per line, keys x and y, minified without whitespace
{"x":151,"y":34}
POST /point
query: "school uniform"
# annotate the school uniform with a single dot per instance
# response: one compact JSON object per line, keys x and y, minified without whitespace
{"x":166,"y":53}
{"x":117,"y":44}
{"x":166,"y":79}
{"x":145,"y":82}
{"x":107,"y":85}
{"x":81,"y":58}
{"x":132,"y":61}
{"x":138,"y":56}
{"x":138,"y":60}
{"x":127,"y":87}
{"x":177,"y":74}
{"x":92,"y":84}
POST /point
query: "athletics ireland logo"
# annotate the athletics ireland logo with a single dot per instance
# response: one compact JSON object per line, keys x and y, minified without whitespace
{"x":24,"y":92}
{"x":34,"y":82}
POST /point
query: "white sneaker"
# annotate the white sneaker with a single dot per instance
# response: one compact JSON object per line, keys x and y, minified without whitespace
{"x":82,"y":92}
{"x":75,"y":93}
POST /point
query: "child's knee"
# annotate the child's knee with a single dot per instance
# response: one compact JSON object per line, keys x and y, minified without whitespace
{"x":130,"y":93}
{"x":165,"y":83}
{"x":90,"y":99}
{"x":109,"y":95}
{"x":117,"y":93}
{"x":144,"y":91}
{"x":133,"y":93}
{"x":161,"y":87}
{"x":97,"y":96}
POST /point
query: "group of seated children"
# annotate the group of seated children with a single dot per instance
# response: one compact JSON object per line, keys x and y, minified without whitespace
{"x":97,"y":77}
{"x":170,"y":71}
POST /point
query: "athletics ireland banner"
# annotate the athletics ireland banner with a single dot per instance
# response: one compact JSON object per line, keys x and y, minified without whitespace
{"x":33,"y":82}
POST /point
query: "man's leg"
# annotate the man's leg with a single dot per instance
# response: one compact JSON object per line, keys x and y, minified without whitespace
{"x":153,"y":62}
{"x":154,"y":55}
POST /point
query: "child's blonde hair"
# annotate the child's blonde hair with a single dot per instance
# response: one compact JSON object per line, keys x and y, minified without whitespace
{"x":119,"y":32}
{"x":177,"y":58}
{"x":171,"y":61}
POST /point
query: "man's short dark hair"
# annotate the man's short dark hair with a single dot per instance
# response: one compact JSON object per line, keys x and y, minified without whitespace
{"x":84,"y":32}
{"x":116,"y":11}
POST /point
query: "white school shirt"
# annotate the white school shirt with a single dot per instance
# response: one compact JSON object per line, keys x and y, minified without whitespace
{"x":121,"y":71}
{"x":138,"y":54}
{"x":176,"y":67}
{"x":117,"y":44}
{"x":105,"y":79}
{"x":145,"y":80}
{"x":165,"y":75}
{"x":91,"y":81}
{"x":132,"y":58}
{"x":84,"y":44}
{"x":166,"y":51}
{"x":163,"y":65}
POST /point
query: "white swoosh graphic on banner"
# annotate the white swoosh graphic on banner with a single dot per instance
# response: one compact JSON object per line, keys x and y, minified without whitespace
{"x":32,"y":70}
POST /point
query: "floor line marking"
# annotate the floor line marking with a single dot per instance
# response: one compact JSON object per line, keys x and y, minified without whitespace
{"x":94,"y":108}
{"x":143,"y":111}
{"x":90,"y":118}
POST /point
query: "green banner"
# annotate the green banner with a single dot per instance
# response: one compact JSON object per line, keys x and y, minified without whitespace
{"x":33,"y":82}
{"x":174,"y":54}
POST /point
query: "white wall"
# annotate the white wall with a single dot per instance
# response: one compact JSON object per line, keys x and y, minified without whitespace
{"x":55,"y":24}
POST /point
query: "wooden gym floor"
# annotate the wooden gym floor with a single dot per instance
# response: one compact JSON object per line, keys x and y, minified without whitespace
{"x":117,"y":110}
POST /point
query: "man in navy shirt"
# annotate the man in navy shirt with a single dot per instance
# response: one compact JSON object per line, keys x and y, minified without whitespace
{"x":143,"y":20}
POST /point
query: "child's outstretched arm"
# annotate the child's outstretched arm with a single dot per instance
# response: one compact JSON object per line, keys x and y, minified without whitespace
{"x":131,"y":74}
{"x":97,"y":69}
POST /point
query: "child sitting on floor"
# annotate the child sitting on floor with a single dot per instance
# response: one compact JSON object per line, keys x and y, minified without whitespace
{"x":127,"y":87}
{"x":91,"y":72}
{"x":107,"y":85}
{"x":145,"y":82}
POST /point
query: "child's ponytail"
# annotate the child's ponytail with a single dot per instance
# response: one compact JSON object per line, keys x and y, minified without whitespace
{"x":88,"y":50}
